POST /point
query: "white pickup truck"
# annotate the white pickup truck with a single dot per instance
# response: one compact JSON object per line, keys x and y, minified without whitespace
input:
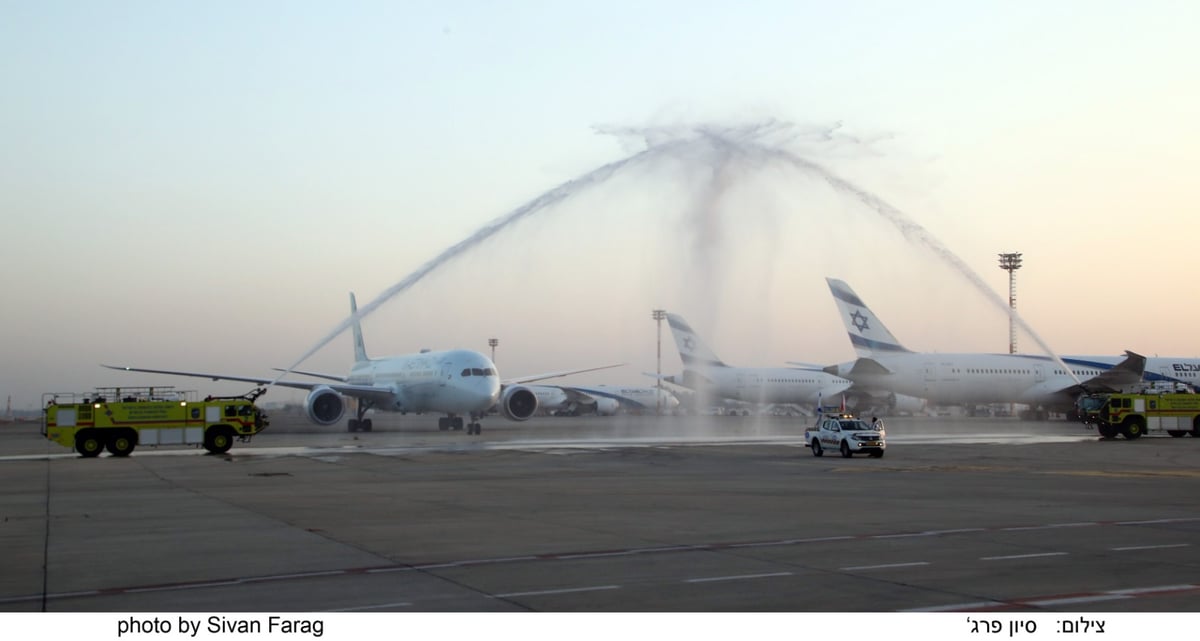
{"x":847,"y":434}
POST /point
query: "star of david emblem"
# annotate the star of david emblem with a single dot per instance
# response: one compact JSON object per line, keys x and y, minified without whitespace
{"x":860,"y":321}
{"x":689,"y":343}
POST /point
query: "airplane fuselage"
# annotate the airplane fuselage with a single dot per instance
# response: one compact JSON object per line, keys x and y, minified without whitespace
{"x":452,"y":382}
{"x":779,"y":385}
{"x":976,"y":379}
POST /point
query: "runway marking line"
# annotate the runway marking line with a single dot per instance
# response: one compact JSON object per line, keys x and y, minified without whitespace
{"x":561,"y":591}
{"x":1021,"y":556}
{"x":736,"y":577}
{"x":885,"y":566}
{"x":1164,"y":546}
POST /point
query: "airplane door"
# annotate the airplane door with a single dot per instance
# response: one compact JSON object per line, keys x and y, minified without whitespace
{"x":1039,"y":374}
{"x":930,"y":375}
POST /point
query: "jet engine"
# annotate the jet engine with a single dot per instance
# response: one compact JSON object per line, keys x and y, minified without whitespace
{"x":324,"y":406}
{"x":902,"y":404}
{"x":607,"y":406}
{"x":518,"y":403}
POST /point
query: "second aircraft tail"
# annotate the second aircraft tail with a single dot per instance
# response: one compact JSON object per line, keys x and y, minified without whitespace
{"x":360,"y":351}
{"x":692,"y":351}
{"x":867,"y":333}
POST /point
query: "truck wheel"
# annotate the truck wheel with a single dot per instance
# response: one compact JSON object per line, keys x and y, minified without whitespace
{"x":816,"y":448}
{"x":846,"y":453}
{"x":122,"y":443}
{"x":1107,"y":431}
{"x":1133,"y":427}
{"x":88,"y":444}
{"x":218,"y":440}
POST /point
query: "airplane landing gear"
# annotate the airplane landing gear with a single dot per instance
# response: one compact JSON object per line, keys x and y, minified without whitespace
{"x":358,"y":423}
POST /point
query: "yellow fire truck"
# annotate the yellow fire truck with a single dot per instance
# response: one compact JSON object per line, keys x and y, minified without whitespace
{"x":1132,"y":415}
{"x":121,"y":418}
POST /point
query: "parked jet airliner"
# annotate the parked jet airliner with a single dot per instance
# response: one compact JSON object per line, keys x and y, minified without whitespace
{"x":456,"y":383}
{"x":704,"y":372}
{"x":883,"y":364}
{"x":604,"y":400}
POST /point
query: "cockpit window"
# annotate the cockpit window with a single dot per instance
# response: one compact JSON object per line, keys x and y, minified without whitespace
{"x":475,"y":371}
{"x":466,"y":372}
{"x":489,"y":372}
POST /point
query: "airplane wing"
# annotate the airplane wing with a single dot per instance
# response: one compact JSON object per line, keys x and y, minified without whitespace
{"x":1125,"y":374}
{"x":357,"y":391}
{"x":862,"y":367}
{"x":330,"y":377}
{"x":542,"y":377}
{"x":592,"y":392}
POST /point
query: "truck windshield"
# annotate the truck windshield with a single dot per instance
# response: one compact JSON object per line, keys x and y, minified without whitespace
{"x":1091,"y":403}
{"x":851,"y":426}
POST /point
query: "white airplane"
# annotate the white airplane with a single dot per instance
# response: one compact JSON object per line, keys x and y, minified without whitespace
{"x":883,"y":364}
{"x":706,"y":373}
{"x":456,"y":383}
{"x":603,"y":400}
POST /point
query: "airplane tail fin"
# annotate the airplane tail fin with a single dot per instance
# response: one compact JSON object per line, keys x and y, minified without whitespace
{"x":868,"y":334}
{"x":692,"y":351}
{"x":360,"y":351}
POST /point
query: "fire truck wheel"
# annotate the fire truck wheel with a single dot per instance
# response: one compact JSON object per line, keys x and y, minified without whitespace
{"x":1107,"y":431}
{"x":121,"y":443}
{"x":88,"y":444}
{"x":218,"y":440}
{"x":1132,"y":428}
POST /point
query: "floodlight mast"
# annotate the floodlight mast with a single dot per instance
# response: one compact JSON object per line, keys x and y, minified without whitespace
{"x":658,"y":315}
{"x":1010,"y":263}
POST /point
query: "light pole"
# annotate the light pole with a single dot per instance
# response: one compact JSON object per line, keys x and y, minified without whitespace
{"x":1010,"y":263}
{"x":658,"y":315}
{"x":493,"y":342}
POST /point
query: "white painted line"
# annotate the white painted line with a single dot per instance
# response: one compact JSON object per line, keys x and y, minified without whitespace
{"x":673,"y":548}
{"x":1048,"y":526}
{"x":883,"y":567}
{"x":1157,"y":521}
{"x":978,"y":605}
{"x":1150,"y":547}
{"x":191,"y":586}
{"x":563,"y":591}
{"x":386,"y":570}
{"x":1077,"y":599}
{"x":372,"y":607}
{"x":736,"y":577}
{"x":507,"y":559}
{"x":1021,"y":556}
{"x":299,"y":575}
{"x":963,"y":530}
{"x":1162,"y":588}
{"x":595,"y":555}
